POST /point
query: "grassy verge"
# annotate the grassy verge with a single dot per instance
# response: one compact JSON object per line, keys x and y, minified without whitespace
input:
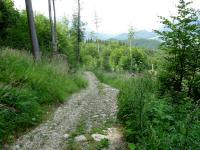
{"x":28,"y":90}
{"x":153,"y":122}
{"x":90,"y":144}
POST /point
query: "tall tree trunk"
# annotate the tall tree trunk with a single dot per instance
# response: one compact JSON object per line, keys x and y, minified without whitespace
{"x":32,"y":30}
{"x":96,"y":21}
{"x":55,"y":48}
{"x":51,"y":24}
{"x":79,"y":33}
{"x":131,"y":68}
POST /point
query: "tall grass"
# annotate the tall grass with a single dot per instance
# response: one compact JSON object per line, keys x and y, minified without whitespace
{"x":27,"y":89}
{"x":150,"y":121}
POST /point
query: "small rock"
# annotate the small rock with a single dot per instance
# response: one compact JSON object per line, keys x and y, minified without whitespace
{"x":98,"y":137}
{"x":17,"y":147}
{"x":103,"y":115}
{"x":96,"y":116}
{"x":66,"y":136}
{"x":110,"y":130}
{"x":80,"y":138}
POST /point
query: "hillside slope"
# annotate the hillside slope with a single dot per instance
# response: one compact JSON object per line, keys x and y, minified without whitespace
{"x":28,"y":90}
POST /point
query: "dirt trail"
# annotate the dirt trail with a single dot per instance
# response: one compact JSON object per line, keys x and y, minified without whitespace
{"x":95,"y":105}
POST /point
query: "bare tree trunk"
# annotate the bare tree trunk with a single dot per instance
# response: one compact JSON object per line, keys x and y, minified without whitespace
{"x":98,"y":46}
{"x":55,"y":48}
{"x":32,"y":30}
{"x":51,"y":24}
{"x":131,"y":56}
{"x":96,"y":21}
{"x":79,"y":33}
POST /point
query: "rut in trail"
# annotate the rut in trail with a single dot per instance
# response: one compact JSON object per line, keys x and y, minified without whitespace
{"x":94,"y":105}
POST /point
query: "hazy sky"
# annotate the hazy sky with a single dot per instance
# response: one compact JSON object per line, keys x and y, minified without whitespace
{"x":115,"y":15}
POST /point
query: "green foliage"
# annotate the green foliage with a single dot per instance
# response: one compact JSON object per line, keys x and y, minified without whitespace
{"x":181,"y":44}
{"x":64,"y":44}
{"x":152,"y":122}
{"x":89,"y":56}
{"x":104,"y":59}
{"x":131,"y":146}
{"x":121,"y":59}
{"x":116,"y":80}
{"x":139,"y":60}
{"x":43,"y":32}
{"x":14,"y":32}
{"x":102,"y":144}
{"x":74,"y":28}
{"x":147,"y":43}
{"x":27,"y":88}
{"x":19,"y":110}
{"x":114,"y":56}
{"x":8,"y":16}
{"x":76,"y":34}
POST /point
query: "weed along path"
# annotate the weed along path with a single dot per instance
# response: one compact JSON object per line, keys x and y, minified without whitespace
{"x":86,"y":121}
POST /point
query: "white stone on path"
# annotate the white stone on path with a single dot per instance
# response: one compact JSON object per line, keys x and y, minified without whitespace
{"x":80,"y":138}
{"x":103,"y":115}
{"x":66,"y":136}
{"x":98,"y":137}
{"x":17,"y":147}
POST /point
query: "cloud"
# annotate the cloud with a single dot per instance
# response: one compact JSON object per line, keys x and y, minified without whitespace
{"x":115,"y":15}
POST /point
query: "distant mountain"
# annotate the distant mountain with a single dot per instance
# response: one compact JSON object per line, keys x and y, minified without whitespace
{"x":143,"y":34}
{"x":100,"y":36}
{"x":121,"y":37}
{"x":144,"y":43}
{"x":143,"y":38}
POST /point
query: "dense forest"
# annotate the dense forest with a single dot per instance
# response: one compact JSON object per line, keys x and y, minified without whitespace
{"x":42,"y":61}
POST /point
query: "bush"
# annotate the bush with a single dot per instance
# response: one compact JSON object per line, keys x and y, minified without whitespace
{"x":104,"y":60}
{"x":181,"y":45}
{"x":150,"y":121}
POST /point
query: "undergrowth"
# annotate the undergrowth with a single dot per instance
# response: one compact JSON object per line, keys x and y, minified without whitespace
{"x":151,"y":121}
{"x":28,"y":89}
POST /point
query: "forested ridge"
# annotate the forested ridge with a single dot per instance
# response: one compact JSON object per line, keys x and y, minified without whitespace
{"x":43,"y":61}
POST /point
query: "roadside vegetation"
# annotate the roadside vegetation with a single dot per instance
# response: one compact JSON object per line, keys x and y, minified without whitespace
{"x":159,"y":106}
{"x":30,"y":86}
{"x":152,"y":121}
{"x":28,"y":90}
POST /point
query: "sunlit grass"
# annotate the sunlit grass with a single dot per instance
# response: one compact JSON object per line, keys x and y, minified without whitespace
{"x":27,"y":88}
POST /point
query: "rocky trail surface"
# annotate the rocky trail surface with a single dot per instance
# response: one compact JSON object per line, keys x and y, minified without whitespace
{"x":84,"y":122}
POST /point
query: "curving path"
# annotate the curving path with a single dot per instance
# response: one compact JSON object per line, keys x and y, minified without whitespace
{"x":95,"y":105}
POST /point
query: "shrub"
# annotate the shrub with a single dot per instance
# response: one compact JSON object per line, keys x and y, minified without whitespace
{"x":150,"y":121}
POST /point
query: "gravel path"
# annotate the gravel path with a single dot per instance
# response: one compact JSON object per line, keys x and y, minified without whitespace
{"x":95,"y":104}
